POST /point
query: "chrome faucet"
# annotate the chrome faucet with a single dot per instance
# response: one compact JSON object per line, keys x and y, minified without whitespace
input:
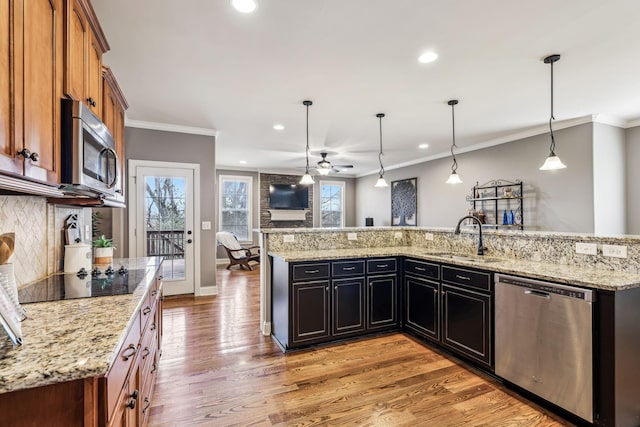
{"x":481,"y":247}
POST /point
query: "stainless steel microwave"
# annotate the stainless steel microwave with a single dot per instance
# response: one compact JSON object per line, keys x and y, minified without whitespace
{"x":89,"y":160}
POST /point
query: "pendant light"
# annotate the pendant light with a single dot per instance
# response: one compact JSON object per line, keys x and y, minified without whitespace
{"x":306,"y":178}
{"x":453,"y":178}
{"x":381,"y":182}
{"x":552,"y":162}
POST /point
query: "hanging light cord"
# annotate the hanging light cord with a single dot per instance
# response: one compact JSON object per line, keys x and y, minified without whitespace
{"x":380,"y":116}
{"x":307,"y":170}
{"x":553,"y":141}
{"x":454,"y":166}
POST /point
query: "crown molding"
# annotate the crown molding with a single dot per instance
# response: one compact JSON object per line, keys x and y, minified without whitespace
{"x":633,"y":123}
{"x":169,"y":127}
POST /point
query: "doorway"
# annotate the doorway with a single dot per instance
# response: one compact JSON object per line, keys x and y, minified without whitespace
{"x":162,"y":214}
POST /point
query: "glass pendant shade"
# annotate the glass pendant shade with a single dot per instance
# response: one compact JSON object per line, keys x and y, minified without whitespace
{"x":552,"y":162}
{"x":324,"y":171}
{"x":453,"y":179}
{"x":306,"y":179}
{"x":381,"y":182}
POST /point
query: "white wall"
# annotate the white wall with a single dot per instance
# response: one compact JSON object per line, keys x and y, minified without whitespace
{"x":609,"y":178}
{"x":633,"y":180}
{"x":555,"y":200}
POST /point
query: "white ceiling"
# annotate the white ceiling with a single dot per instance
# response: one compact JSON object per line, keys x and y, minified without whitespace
{"x":201,"y":64}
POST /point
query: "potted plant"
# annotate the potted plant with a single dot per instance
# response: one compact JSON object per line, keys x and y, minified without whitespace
{"x":103,"y":250}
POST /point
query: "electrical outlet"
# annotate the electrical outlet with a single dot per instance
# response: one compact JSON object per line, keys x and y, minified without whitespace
{"x":352,"y":236}
{"x":288,"y":238}
{"x":398,"y":234}
{"x":587,"y":248}
{"x":206,"y":225}
{"x":428,"y":236}
{"x":615,"y":251}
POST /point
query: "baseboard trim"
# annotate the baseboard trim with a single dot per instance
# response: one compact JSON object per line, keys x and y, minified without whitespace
{"x":208,"y":291}
{"x":222,"y":261}
{"x":266,"y":328}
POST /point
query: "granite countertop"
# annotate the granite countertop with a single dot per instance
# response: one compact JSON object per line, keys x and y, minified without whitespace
{"x":72,"y":339}
{"x":589,"y":277}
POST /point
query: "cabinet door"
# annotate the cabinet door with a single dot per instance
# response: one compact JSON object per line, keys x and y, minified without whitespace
{"x":466,"y":323}
{"x":76,"y":52}
{"x":94,"y":77}
{"x":423,"y":308}
{"x":348,"y":306}
{"x":382,"y":308}
{"x":10,"y":77}
{"x":310,"y":311}
{"x":42,"y":87}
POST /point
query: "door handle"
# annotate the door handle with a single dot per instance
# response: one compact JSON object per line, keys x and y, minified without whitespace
{"x":537,"y":294}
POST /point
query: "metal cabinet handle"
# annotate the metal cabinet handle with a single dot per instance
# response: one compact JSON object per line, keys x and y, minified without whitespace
{"x":129,"y":352}
{"x":311,"y":271}
{"x":154,"y":292}
{"x":153,"y":326}
{"x":132,"y":401}
{"x":435,"y":291}
{"x":189,"y":241}
{"x":147,"y":403}
{"x":382,"y":266}
{"x":153,"y":368}
{"x":420,"y":269}
{"x":349,"y":268}
{"x":91,"y":101}
{"x":145,"y":352}
{"x":146,"y":310}
{"x":28,"y":154}
{"x":463,"y":277}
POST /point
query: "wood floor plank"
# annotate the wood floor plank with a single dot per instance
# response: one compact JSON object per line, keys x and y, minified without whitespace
{"x":217,"y":369}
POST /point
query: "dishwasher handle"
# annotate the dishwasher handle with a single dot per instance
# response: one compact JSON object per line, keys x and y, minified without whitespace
{"x":537,"y":294}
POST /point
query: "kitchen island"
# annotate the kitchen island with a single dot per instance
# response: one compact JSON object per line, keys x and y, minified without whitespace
{"x":431,"y":262}
{"x":80,"y":356}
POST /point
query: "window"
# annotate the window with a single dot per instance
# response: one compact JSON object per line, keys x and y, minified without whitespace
{"x":331,"y":204}
{"x":235,"y":205}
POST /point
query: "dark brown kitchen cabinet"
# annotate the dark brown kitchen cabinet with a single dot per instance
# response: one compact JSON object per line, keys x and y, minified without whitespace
{"x":348,"y":306}
{"x":422,"y":298}
{"x":31,"y":79}
{"x":316,"y":302}
{"x":310,"y":307}
{"x":467,"y":313}
{"x":451,"y":306}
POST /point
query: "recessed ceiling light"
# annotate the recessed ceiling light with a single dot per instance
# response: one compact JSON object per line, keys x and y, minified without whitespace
{"x":243,"y":162}
{"x":244,"y":6}
{"x":423,"y":146}
{"x":427,"y":57}
{"x":278,"y":126}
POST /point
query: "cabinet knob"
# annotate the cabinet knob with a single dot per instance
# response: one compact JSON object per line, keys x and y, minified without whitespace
{"x":147,"y":403}
{"x":189,"y":241}
{"x":146,"y":310}
{"x":29,"y":155}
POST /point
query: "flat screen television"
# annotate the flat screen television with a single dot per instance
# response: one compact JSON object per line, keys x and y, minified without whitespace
{"x":288,"y":196}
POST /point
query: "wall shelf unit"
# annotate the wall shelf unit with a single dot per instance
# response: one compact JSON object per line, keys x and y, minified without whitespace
{"x":498,"y":204}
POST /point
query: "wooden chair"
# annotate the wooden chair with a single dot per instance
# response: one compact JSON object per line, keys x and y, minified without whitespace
{"x":238,"y":254}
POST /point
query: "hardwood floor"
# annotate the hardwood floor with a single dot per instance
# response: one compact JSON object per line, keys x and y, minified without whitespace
{"x":217,"y":369}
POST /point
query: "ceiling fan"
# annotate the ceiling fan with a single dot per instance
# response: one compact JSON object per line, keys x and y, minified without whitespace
{"x":324,"y":166}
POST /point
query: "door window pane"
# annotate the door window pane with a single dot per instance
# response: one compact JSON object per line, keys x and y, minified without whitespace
{"x":331,"y":204}
{"x":235,"y":205}
{"x":165,"y":223}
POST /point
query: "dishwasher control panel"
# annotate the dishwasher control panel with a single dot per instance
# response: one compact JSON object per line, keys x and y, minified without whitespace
{"x":551,"y":288}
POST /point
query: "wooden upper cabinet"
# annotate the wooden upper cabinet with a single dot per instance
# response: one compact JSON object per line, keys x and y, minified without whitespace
{"x":31,"y":79}
{"x":10,"y":16}
{"x":113,"y":107}
{"x":42,"y":88}
{"x":84,"y":45}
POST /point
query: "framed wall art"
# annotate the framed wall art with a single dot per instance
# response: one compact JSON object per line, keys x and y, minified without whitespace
{"x":404,"y":202}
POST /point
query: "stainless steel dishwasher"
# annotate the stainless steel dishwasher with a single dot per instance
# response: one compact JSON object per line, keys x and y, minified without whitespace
{"x":544,"y":341}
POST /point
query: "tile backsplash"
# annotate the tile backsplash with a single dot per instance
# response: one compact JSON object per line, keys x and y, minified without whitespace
{"x":39,"y":229}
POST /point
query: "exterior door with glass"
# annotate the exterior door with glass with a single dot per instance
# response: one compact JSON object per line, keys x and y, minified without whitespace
{"x":164,"y":222}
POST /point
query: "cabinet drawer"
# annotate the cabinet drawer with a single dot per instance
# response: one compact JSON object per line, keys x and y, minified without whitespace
{"x":347,"y":268}
{"x":465,"y":277}
{"x":422,"y":269}
{"x":310,"y":271}
{"x":382,"y":265}
{"x":125,"y":357}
